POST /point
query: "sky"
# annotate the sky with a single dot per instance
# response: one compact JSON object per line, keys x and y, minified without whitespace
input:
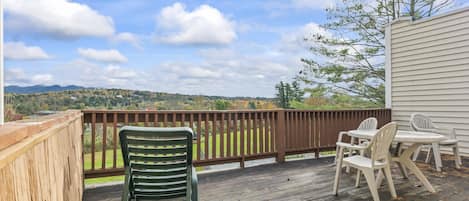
{"x":227,"y":48}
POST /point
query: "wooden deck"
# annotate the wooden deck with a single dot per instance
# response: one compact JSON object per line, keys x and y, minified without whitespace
{"x":312,"y":180}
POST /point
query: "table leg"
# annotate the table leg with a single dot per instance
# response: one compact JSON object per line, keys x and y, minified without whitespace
{"x":405,"y":160}
{"x":437,"y":156}
{"x":401,"y":167}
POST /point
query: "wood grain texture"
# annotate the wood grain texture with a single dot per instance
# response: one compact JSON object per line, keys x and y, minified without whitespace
{"x":46,"y":165}
{"x":310,"y":180}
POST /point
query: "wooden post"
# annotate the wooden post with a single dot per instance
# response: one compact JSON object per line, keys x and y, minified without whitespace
{"x":281,"y":136}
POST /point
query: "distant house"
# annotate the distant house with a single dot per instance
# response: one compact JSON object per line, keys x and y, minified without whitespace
{"x":427,"y":70}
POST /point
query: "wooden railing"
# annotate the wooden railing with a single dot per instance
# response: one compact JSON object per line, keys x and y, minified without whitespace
{"x":223,"y":136}
{"x":40,"y":158}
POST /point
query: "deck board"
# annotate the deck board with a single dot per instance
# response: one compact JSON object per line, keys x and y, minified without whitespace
{"x":311,"y":179}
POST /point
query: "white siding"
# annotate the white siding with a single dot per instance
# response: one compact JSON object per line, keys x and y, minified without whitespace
{"x":429,"y":64}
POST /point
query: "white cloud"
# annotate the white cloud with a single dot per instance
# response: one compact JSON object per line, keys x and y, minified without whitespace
{"x":116,"y":72}
{"x":19,"y":51}
{"x":89,"y":74}
{"x":42,"y":79}
{"x":313,"y":4}
{"x":111,"y":55}
{"x":17,"y":76}
{"x":295,"y":41}
{"x":60,"y":18}
{"x":190,"y":71}
{"x":127,"y":38}
{"x":204,"y":25}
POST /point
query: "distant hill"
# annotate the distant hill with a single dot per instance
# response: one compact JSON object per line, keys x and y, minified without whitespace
{"x":40,"y":89}
{"x":30,"y":100}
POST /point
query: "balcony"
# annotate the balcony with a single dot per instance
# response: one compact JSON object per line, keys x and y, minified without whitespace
{"x":50,"y":157}
{"x":309,"y":179}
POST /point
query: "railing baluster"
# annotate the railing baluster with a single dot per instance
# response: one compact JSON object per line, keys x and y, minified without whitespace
{"x":266,"y":132}
{"x":214,"y":135}
{"x":206,"y":140}
{"x":155,"y":120}
{"x":191,"y":121}
{"x":228,"y":136}
{"x":261,"y":133}
{"x":146,"y":120}
{"x":93,"y":138}
{"x":255,"y":151}
{"x":183,"y":119}
{"x":136,"y":119}
{"x":222,"y":135}
{"x":165,"y":119}
{"x":235,"y":138}
{"x":273,"y":131}
{"x":242,"y":133}
{"x":103,"y":157}
{"x":249,"y":144}
{"x":199,"y":135}
{"x":114,"y":140}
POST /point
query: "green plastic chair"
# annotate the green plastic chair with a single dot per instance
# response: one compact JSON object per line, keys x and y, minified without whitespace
{"x":158,"y":163}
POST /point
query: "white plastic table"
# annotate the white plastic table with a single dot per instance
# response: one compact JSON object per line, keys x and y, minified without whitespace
{"x":416,"y":139}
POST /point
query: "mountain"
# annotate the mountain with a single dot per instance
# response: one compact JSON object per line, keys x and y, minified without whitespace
{"x":40,"y":89}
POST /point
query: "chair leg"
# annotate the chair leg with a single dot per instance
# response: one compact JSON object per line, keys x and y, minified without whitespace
{"x":370,"y":179}
{"x":416,"y":154}
{"x":338,"y":171}
{"x":437,"y":155}
{"x":387,"y":173}
{"x":357,"y":180}
{"x":125,"y":191}
{"x":457,"y":157}
{"x":336,"y":154}
{"x":429,"y":155}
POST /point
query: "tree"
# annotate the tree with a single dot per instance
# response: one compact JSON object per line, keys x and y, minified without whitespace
{"x":286,"y":93}
{"x":252,"y":105}
{"x":221,"y":104}
{"x":349,"y":51}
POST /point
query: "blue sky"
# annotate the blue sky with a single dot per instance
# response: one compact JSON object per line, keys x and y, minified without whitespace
{"x":229,"y":48}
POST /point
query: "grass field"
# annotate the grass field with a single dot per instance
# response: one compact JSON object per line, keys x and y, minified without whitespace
{"x":119,"y":161}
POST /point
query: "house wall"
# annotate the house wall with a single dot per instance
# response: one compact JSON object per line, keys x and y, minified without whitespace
{"x":41,"y":159}
{"x":428,"y":63}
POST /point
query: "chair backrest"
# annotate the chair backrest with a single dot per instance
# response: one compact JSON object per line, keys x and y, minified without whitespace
{"x":382,"y":141}
{"x":368,"y":124}
{"x":158,"y":161}
{"x":420,"y":121}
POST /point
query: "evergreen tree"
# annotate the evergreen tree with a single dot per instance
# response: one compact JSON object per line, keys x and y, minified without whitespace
{"x":349,"y":51}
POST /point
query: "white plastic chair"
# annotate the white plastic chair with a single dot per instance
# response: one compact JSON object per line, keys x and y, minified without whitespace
{"x":367,"y":124}
{"x":422,"y":123}
{"x":380,"y":160}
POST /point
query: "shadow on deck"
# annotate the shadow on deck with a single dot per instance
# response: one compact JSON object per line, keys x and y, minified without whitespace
{"x":312,"y":179}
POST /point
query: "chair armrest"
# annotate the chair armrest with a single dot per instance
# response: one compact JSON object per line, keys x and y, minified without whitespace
{"x":429,"y":130}
{"x":194,"y":183}
{"x":351,"y":146}
{"x":451,"y":132}
{"x":341,"y":134}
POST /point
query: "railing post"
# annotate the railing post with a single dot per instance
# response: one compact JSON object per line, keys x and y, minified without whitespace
{"x":281,"y":136}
